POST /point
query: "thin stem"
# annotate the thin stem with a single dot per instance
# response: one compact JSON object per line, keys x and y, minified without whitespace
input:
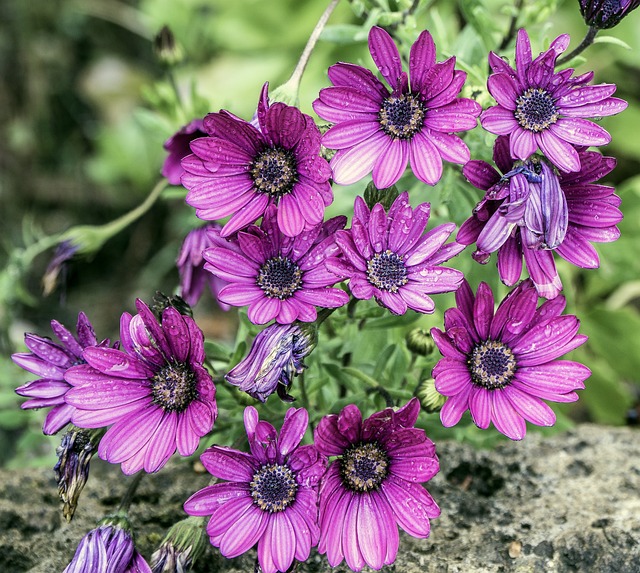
{"x":512,"y":26}
{"x":586,"y":42}
{"x":131,"y":490}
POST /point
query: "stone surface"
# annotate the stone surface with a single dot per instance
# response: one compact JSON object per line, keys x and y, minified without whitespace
{"x":569,"y":503}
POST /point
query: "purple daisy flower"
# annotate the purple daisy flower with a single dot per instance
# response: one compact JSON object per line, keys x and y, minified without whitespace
{"x":269,"y":496}
{"x":106,"y":549}
{"x":190,"y":263}
{"x":278,"y":276}
{"x":276,"y":357}
{"x":381,"y":130}
{"x":374,"y":484}
{"x":239,"y":169}
{"x":542,"y":109}
{"x":501,"y":365}
{"x":178,"y":147}
{"x":386,"y":256}
{"x":603,"y":14}
{"x":50,"y":361}
{"x":531,"y":212}
{"x":156,"y":392}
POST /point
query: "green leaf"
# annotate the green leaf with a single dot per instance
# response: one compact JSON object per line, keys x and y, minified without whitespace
{"x":611,"y":40}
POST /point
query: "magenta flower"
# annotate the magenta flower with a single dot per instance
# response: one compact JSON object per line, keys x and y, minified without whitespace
{"x":374,"y":484}
{"x":269,"y":496}
{"x":381,"y":130}
{"x":387,"y":257}
{"x":532,"y":213}
{"x":190,"y":263}
{"x":108,"y":549}
{"x":50,"y":361}
{"x":542,"y":109}
{"x":501,"y":365}
{"x":178,"y":147}
{"x":239,"y":169}
{"x":155,"y":393}
{"x":279,"y":277}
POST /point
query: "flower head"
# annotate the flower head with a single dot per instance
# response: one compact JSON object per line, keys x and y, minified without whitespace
{"x":374,"y":484}
{"x":269,"y":496}
{"x":240,"y":169}
{"x":193,"y":276}
{"x":539,"y":108}
{"x":531,"y":212}
{"x":155,"y":392}
{"x":380,"y":129}
{"x":386,"y":256}
{"x":50,"y":361}
{"x":501,"y":365}
{"x":276,"y":357}
{"x":278,"y":276}
{"x":603,"y":14}
{"x":178,"y":147}
{"x":108,"y":548}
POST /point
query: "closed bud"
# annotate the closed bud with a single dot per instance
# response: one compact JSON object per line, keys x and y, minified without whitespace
{"x":430,"y":399}
{"x":419,"y":341}
{"x":166,"y":48}
{"x":184,"y":543}
{"x":603,"y":14}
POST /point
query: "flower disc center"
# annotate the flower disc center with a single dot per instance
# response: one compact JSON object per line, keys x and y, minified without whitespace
{"x":279,"y":278}
{"x":536,"y":110}
{"x":387,"y":271}
{"x":174,"y":387}
{"x":273,"y":488}
{"x":492,"y":365}
{"x":364,"y":466}
{"x":274,"y":171}
{"x":401,"y":117}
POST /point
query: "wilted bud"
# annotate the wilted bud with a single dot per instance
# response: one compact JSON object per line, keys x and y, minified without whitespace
{"x":64,"y":252}
{"x":161,"y":302}
{"x":72,"y":469}
{"x":182,"y":546}
{"x":603,"y":14}
{"x":430,"y":399}
{"x":419,"y":341}
{"x":166,"y":48}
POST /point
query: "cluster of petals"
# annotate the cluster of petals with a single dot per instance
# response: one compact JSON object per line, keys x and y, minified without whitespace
{"x":277,"y":276}
{"x":389,"y":459}
{"x":501,"y":365}
{"x":50,"y":361}
{"x":543,"y":109}
{"x":387,"y":256}
{"x":178,"y":147}
{"x":268,"y":497}
{"x":604,"y":14}
{"x":381,"y":130}
{"x":529,"y":212}
{"x":238,"y":170}
{"x":154,"y":392}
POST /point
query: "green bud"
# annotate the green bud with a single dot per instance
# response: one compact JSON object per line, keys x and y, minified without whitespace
{"x":419,"y":341}
{"x":183,"y":545}
{"x":430,"y":399}
{"x":373,"y":195}
{"x":167,"y":50}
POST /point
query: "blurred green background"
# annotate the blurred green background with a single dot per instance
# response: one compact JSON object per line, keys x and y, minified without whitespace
{"x":85,"y":106}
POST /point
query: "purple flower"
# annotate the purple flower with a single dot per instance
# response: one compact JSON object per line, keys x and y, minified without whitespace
{"x":193,"y":276}
{"x":386,"y":256}
{"x":502,"y":365}
{"x":269,"y":496}
{"x":542,"y":109}
{"x":156,"y":392}
{"x":106,"y":549}
{"x":178,"y":147}
{"x":239,"y":169}
{"x":50,"y":361}
{"x":603,"y":14}
{"x":382,"y":130}
{"x":278,"y":276}
{"x":275,"y":358}
{"x":533,"y":213}
{"x":374,"y":484}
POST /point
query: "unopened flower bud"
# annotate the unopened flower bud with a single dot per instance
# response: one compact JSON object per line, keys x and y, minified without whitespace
{"x":184,"y":543}
{"x":419,"y":341}
{"x":161,"y":302}
{"x":166,"y":48}
{"x":603,"y":14}
{"x":430,"y":399}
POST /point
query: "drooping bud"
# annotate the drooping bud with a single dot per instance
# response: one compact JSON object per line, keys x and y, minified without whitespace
{"x":167,"y":50}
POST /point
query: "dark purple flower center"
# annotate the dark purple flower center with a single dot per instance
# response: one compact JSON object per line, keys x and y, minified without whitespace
{"x":387,"y":271}
{"x":274,"y":171}
{"x":273,"y":488}
{"x":364,"y":466}
{"x":536,"y":110}
{"x":492,"y":365}
{"x":401,"y":117}
{"x":174,"y":387}
{"x":279,"y":278}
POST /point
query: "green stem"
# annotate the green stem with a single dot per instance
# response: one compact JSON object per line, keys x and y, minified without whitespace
{"x":586,"y":42}
{"x":123,"y":508}
{"x":512,"y":26}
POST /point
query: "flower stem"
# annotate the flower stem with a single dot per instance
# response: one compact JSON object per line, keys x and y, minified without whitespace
{"x":131,"y":490}
{"x":586,"y":42}
{"x":512,"y":26}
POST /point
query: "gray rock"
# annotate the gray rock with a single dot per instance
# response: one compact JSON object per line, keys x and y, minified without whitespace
{"x":568,"y":503}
